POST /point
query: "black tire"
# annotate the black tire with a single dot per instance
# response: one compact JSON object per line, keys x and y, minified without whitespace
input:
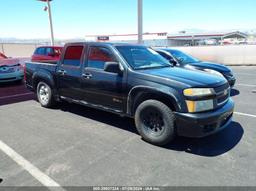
{"x":45,"y":95}
{"x":155,"y":122}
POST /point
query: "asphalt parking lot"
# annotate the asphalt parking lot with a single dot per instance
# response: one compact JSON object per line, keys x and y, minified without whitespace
{"x":77,"y":146}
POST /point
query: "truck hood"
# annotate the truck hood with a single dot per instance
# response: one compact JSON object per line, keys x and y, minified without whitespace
{"x":185,"y":76}
{"x":210,"y":65}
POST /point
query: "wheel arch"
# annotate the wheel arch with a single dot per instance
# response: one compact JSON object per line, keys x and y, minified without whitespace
{"x":140,"y":94}
{"x":43,"y":76}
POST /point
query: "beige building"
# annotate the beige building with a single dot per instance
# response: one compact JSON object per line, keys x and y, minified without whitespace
{"x":181,"y":39}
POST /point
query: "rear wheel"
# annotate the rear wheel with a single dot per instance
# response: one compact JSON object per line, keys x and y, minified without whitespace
{"x":44,"y":95}
{"x":155,"y":122}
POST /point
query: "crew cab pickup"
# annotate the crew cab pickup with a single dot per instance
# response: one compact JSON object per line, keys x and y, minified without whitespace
{"x":135,"y":81}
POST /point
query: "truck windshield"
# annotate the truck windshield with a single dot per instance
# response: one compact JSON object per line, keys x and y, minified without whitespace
{"x":139,"y":57}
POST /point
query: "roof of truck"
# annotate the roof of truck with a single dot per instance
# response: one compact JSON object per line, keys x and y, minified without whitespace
{"x":50,"y":46}
{"x":104,"y":43}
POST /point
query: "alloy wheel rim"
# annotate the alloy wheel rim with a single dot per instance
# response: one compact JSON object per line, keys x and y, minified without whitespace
{"x":44,"y":94}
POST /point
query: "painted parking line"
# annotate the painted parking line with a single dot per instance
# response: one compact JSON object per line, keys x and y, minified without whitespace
{"x":245,"y":74}
{"x":14,"y":96}
{"x":30,"y":168}
{"x":245,"y":114}
{"x":246,"y":85}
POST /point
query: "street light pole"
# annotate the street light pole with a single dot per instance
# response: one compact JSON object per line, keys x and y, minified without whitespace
{"x":50,"y":21}
{"x":50,"y":18}
{"x":140,"y":21}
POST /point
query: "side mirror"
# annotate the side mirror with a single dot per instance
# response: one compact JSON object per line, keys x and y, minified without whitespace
{"x":112,"y":67}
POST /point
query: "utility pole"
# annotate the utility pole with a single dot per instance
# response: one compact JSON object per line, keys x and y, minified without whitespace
{"x":50,"y":19}
{"x":140,"y":21}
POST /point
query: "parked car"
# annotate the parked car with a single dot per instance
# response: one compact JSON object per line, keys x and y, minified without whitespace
{"x":180,"y":59}
{"x":135,"y":81}
{"x":47,"y":54}
{"x":10,"y":69}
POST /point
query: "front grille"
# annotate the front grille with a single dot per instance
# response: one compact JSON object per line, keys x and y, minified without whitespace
{"x":222,"y":99}
{"x":223,"y":93}
{"x":6,"y":70}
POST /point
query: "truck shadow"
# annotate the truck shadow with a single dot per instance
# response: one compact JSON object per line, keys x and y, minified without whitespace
{"x":211,"y":146}
{"x":99,"y":116}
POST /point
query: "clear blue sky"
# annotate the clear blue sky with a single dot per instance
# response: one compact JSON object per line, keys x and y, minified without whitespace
{"x":76,"y":18}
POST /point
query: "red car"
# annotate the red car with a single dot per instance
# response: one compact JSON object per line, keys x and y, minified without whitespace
{"x":47,"y":54}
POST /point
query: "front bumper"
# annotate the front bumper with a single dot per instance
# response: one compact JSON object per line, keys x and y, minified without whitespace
{"x":204,"y":124}
{"x":10,"y":77}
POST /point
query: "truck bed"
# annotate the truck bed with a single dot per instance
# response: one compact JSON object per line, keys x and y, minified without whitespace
{"x":33,"y":68}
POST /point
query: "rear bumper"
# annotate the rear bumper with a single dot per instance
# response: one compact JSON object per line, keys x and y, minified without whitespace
{"x":10,"y":77}
{"x":204,"y":124}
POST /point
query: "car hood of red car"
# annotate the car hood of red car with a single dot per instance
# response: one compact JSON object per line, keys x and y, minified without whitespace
{"x":9,"y":61}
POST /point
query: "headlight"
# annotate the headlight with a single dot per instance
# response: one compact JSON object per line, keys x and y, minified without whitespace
{"x":195,"y":105}
{"x":193,"y":92}
{"x":213,"y":72}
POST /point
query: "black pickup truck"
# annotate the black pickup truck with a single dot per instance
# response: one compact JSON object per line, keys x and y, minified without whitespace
{"x":135,"y":81}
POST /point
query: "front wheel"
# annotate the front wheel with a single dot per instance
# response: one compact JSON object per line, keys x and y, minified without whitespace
{"x":155,"y":122}
{"x":45,"y":95}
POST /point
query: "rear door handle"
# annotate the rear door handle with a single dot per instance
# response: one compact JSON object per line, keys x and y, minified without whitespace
{"x":62,"y":72}
{"x":87,"y":76}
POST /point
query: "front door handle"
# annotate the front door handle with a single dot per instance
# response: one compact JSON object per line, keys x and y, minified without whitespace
{"x":87,"y":76}
{"x":62,"y":72}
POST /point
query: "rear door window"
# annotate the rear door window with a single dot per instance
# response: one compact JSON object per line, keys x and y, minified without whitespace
{"x":73,"y":56}
{"x":98,"y":56}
